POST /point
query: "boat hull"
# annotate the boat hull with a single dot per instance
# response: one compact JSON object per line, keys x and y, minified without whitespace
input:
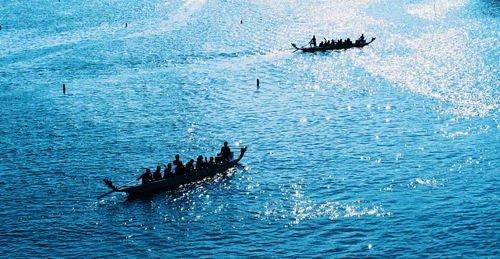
{"x":176,"y":181}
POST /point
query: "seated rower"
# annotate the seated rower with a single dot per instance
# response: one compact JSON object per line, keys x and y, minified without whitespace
{"x":157,"y":174}
{"x":225,"y":152}
{"x":190,"y":166}
{"x":348,"y":42}
{"x":199,"y":163}
{"x":211,"y":163}
{"x":168,"y":171}
{"x":362,"y":38}
{"x":146,"y":177}
{"x":179,"y":167}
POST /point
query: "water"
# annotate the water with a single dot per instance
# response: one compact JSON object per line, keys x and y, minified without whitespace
{"x":390,"y":150}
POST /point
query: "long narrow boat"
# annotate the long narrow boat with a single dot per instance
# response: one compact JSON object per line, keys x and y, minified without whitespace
{"x":325,"y":48}
{"x":175,"y":181}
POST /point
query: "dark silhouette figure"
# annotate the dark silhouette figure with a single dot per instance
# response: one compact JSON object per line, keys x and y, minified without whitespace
{"x":179,"y":167}
{"x":258,"y":84}
{"x":241,"y":21}
{"x":146,"y":177}
{"x":168,"y":171}
{"x":199,"y":163}
{"x":225,"y":152}
{"x":64,"y":88}
{"x":157,"y":174}
{"x":313,"y":41}
{"x":190,"y":166}
{"x":126,"y":25}
{"x":211,"y":163}
{"x":348,"y":42}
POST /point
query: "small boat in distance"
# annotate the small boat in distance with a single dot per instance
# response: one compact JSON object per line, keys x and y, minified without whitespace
{"x":356,"y":44}
{"x":175,"y":180}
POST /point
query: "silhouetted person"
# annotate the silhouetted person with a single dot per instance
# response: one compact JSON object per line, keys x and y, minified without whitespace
{"x":179,"y":167}
{"x":168,"y":171}
{"x":313,"y":41}
{"x":146,"y":177}
{"x":190,"y":166}
{"x":64,"y":88}
{"x":348,"y":42}
{"x":157,"y":174}
{"x":199,"y":163}
{"x":225,"y":151}
{"x":362,"y":38}
{"x":211,"y":163}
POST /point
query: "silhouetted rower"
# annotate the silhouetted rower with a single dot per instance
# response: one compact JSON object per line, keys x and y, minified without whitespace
{"x":199,"y":163}
{"x":211,"y":163}
{"x":190,"y":166}
{"x":168,"y":171}
{"x":157,"y":174}
{"x":179,"y":167}
{"x":146,"y":177}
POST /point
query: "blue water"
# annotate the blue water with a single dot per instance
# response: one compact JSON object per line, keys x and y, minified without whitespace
{"x":391,"y":150}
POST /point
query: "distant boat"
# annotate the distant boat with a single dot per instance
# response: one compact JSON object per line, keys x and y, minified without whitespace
{"x":175,"y":181}
{"x":332,"y":47}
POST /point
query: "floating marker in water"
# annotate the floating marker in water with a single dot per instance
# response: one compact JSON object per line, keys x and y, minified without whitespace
{"x":126,"y":25}
{"x":258,"y":83}
{"x":241,"y":21}
{"x":64,"y":88}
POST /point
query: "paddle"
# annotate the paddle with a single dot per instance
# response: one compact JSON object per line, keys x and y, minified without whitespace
{"x":114,"y":190}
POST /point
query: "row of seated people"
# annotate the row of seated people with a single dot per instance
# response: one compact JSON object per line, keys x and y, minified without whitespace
{"x":189,"y":167}
{"x":340,"y":43}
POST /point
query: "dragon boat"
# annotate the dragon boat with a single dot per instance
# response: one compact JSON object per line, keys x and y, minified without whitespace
{"x":333,"y":47}
{"x":175,"y":180}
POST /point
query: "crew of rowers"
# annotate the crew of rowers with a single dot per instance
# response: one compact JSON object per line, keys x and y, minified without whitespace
{"x":189,"y":167}
{"x":337,"y":43}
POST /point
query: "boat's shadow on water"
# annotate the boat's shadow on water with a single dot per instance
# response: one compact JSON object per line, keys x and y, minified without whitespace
{"x":211,"y":182}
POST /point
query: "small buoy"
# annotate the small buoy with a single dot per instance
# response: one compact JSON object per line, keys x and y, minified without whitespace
{"x":0,"y":27}
{"x":258,"y":84}
{"x":64,"y":88}
{"x":126,"y":25}
{"x":241,"y":21}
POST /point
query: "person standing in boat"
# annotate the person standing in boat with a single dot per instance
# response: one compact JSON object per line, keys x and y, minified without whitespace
{"x":157,"y":174}
{"x":168,"y":171}
{"x":179,"y":167}
{"x":146,"y":177}
{"x":225,"y":152}
{"x":312,"y":42}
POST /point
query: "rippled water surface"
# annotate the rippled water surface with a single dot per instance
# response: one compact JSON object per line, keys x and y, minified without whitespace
{"x":390,"y":150}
